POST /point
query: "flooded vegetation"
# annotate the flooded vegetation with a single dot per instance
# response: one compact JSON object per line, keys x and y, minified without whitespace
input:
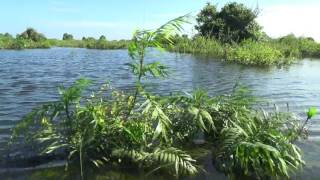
{"x":31,"y":39}
{"x":227,"y":103}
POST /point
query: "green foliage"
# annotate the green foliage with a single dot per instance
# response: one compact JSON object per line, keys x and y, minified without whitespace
{"x":250,"y":52}
{"x":67,"y":36}
{"x":233,"y":23}
{"x":198,"y":45}
{"x":29,"y":39}
{"x":300,"y":47}
{"x":143,"y":39}
{"x":102,"y":38}
{"x":172,"y":159}
{"x":259,"y":145}
{"x":243,"y":41}
{"x":255,"y":53}
{"x":31,"y":34}
{"x":90,"y":43}
{"x":312,"y":112}
{"x":98,"y":130}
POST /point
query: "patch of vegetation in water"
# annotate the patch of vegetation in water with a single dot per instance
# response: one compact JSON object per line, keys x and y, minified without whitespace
{"x":29,"y":39}
{"x":90,"y":43}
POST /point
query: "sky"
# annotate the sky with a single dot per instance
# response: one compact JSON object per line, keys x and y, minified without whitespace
{"x":117,"y":19}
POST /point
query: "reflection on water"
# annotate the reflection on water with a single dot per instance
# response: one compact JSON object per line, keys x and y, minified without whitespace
{"x":31,"y":77}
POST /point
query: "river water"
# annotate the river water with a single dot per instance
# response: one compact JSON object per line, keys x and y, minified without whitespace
{"x":31,"y":77}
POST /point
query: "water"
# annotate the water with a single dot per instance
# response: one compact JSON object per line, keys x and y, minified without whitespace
{"x":31,"y":77}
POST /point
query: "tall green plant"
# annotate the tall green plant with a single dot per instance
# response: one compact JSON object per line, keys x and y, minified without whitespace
{"x":144,"y":39}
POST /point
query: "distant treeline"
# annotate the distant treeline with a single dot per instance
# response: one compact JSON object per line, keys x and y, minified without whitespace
{"x":31,"y":39}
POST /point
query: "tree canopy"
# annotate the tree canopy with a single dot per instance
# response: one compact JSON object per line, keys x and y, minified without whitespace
{"x":31,"y":34}
{"x":102,"y":38}
{"x":233,"y":23}
{"x":67,"y":36}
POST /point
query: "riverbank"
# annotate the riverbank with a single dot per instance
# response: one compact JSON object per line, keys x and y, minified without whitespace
{"x":31,"y":39}
{"x":90,"y":43}
{"x":12,"y":43}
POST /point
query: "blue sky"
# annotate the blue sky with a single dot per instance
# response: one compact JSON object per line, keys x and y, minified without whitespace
{"x":117,"y":19}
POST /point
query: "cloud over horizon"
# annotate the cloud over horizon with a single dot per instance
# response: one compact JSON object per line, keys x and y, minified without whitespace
{"x":301,"y":20}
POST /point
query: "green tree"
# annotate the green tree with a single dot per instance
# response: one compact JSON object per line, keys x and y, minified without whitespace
{"x":31,"y":34}
{"x":102,"y":38}
{"x":7,"y":35}
{"x":67,"y":36}
{"x":233,"y":23}
{"x":208,"y":22}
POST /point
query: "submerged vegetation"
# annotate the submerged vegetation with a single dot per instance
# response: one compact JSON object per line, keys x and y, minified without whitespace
{"x":153,"y":133}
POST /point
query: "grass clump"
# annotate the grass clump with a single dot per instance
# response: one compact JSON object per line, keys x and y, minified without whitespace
{"x":255,"y":53}
{"x":198,"y":45}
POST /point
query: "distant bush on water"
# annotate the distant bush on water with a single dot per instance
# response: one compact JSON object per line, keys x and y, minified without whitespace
{"x":280,"y":51}
{"x":233,"y":34}
{"x":90,"y":43}
{"x":29,"y":39}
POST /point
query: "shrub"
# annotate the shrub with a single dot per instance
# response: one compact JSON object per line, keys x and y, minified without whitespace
{"x":255,"y":53}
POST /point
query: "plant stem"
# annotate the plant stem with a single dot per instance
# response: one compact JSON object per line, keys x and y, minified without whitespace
{"x":139,"y":79}
{"x":304,"y":124}
{"x":80,"y":157}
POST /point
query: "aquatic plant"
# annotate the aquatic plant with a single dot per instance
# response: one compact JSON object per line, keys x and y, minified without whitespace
{"x":259,"y":145}
{"x":255,"y":53}
{"x":310,"y":114}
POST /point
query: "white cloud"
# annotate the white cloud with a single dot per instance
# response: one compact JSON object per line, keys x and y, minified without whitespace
{"x":301,"y":20}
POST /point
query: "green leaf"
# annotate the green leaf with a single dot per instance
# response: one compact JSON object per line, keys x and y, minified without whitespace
{"x":312,"y":112}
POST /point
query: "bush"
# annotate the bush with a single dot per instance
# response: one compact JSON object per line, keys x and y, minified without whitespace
{"x":255,"y":53}
{"x":198,"y":45}
{"x":256,"y":144}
